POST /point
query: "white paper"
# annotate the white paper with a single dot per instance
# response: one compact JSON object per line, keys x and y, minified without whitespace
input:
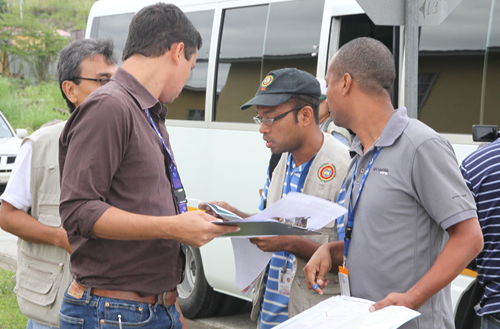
{"x":320,"y":211}
{"x":342,"y":312}
{"x":249,"y":261}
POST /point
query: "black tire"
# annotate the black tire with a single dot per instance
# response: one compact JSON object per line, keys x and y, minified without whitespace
{"x":230,"y":305}
{"x":196,"y":298}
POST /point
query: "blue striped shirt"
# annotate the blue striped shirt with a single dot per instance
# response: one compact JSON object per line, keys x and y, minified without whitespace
{"x":481,"y":171}
{"x":274,"y":309}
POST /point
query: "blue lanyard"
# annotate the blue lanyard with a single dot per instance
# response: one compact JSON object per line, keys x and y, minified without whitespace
{"x":178,"y":191}
{"x":350,"y":213}
{"x":302,"y":178}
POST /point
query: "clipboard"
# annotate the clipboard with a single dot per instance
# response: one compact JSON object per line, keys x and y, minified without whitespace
{"x":265,"y":229}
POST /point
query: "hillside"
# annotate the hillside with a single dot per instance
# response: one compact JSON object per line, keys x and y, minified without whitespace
{"x":58,"y":14}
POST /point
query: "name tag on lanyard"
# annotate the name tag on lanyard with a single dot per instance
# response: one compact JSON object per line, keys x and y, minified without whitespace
{"x":343,"y":272}
{"x":178,"y":192}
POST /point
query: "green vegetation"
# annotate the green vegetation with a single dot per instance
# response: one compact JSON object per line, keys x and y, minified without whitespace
{"x":28,"y":32}
{"x":10,"y":315}
{"x":32,"y":38}
{"x":29,"y":106}
{"x":57,"y":14}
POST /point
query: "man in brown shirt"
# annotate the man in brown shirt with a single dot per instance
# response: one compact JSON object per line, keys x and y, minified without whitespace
{"x":117,"y":198}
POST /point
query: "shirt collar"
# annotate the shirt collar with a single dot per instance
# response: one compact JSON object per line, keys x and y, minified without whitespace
{"x":145,"y":99}
{"x":392,"y":130}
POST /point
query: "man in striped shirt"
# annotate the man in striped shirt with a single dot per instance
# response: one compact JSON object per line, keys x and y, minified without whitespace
{"x":481,"y":171}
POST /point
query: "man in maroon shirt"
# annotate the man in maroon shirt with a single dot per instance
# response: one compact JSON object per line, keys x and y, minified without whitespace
{"x":121,"y":199}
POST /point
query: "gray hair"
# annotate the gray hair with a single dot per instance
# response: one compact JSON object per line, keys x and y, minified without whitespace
{"x":369,"y":62}
{"x":71,"y":57}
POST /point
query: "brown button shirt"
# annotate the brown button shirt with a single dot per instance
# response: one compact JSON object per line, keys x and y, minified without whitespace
{"x":110,"y":155}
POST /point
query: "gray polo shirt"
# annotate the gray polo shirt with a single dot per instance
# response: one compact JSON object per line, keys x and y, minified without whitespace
{"x":413,"y":193}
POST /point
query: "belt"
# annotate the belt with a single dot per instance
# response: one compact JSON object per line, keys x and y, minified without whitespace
{"x":166,"y":298}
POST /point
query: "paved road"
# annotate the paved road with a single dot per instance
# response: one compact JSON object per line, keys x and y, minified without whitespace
{"x":8,"y":256}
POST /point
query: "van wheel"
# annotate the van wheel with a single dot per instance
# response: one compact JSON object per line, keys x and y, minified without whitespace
{"x":196,"y":298}
{"x":230,"y":305}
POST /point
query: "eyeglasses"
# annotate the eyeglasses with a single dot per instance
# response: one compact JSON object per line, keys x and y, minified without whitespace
{"x":269,"y":122}
{"x":102,"y":81}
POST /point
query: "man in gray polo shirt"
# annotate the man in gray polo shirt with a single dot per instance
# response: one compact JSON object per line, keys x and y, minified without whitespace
{"x":412,"y":194}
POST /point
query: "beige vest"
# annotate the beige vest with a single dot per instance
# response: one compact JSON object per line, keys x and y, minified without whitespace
{"x":331,"y":152}
{"x":43,"y":271}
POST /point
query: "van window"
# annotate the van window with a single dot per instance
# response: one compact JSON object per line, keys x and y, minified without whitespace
{"x":112,"y":27}
{"x":191,"y":103}
{"x":259,"y":39}
{"x":459,"y":68}
{"x":356,"y":26}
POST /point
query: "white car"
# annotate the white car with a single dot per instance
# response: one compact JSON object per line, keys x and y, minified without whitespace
{"x":10,"y":143}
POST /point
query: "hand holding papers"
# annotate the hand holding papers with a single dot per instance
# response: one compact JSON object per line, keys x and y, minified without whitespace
{"x":349,"y":312}
{"x":293,"y":209}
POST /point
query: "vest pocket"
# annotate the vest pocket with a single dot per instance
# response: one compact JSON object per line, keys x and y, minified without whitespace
{"x":38,"y":280}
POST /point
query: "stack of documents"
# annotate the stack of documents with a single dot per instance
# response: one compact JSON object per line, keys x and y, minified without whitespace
{"x":317,"y":213}
{"x":342,"y":312}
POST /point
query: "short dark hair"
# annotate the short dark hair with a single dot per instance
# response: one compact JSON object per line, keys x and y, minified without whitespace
{"x":155,"y":28}
{"x":71,"y":57}
{"x":304,"y":100}
{"x":369,"y":62}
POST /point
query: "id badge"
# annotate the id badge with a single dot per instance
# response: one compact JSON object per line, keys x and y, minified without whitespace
{"x":344,"y":281}
{"x":285,"y":282}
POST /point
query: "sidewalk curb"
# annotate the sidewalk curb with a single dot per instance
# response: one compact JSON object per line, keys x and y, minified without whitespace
{"x":8,"y":262}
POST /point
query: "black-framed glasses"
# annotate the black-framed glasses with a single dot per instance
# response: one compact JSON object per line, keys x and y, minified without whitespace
{"x":101,"y":81}
{"x":269,"y":122}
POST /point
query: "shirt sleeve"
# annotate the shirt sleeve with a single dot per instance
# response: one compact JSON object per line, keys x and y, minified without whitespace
{"x":439,"y":186}
{"x":17,"y":192}
{"x":91,"y":148}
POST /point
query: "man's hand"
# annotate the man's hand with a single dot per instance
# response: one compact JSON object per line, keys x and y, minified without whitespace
{"x":317,"y":268}
{"x":273,"y":244}
{"x":397,"y":299}
{"x":62,"y":237}
{"x":195,"y":229}
{"x":21,"y":224}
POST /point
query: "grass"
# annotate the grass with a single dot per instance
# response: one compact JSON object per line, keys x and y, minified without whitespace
{"x":10,"y":315}
{"x":29,"y":106}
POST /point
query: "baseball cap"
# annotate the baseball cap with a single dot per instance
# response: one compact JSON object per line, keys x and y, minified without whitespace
{"x":322,"y":84}
{"x":279,"y":85}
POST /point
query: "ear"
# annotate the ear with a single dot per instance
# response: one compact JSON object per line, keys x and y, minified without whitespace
{"x":68,"y":88}
{"x":177,"y":50}
{"x":346,"y":83}
{"x":306,"y":116}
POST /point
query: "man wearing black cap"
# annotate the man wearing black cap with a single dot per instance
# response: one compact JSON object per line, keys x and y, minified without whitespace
{"x":312,"y":162}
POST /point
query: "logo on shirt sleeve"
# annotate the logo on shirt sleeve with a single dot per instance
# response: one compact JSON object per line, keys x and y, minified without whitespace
{"x":327,"y":172}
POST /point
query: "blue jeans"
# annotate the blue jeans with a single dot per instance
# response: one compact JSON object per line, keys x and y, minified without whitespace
{"x":97,"y":312}
{"x":37,"y":325}
{"x":490,"y":321}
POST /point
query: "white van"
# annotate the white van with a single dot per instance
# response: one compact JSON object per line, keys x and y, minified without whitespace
{"x":219,"y":151}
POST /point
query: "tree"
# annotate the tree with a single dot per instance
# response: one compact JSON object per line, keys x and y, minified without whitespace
{"x":29,"y":40}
